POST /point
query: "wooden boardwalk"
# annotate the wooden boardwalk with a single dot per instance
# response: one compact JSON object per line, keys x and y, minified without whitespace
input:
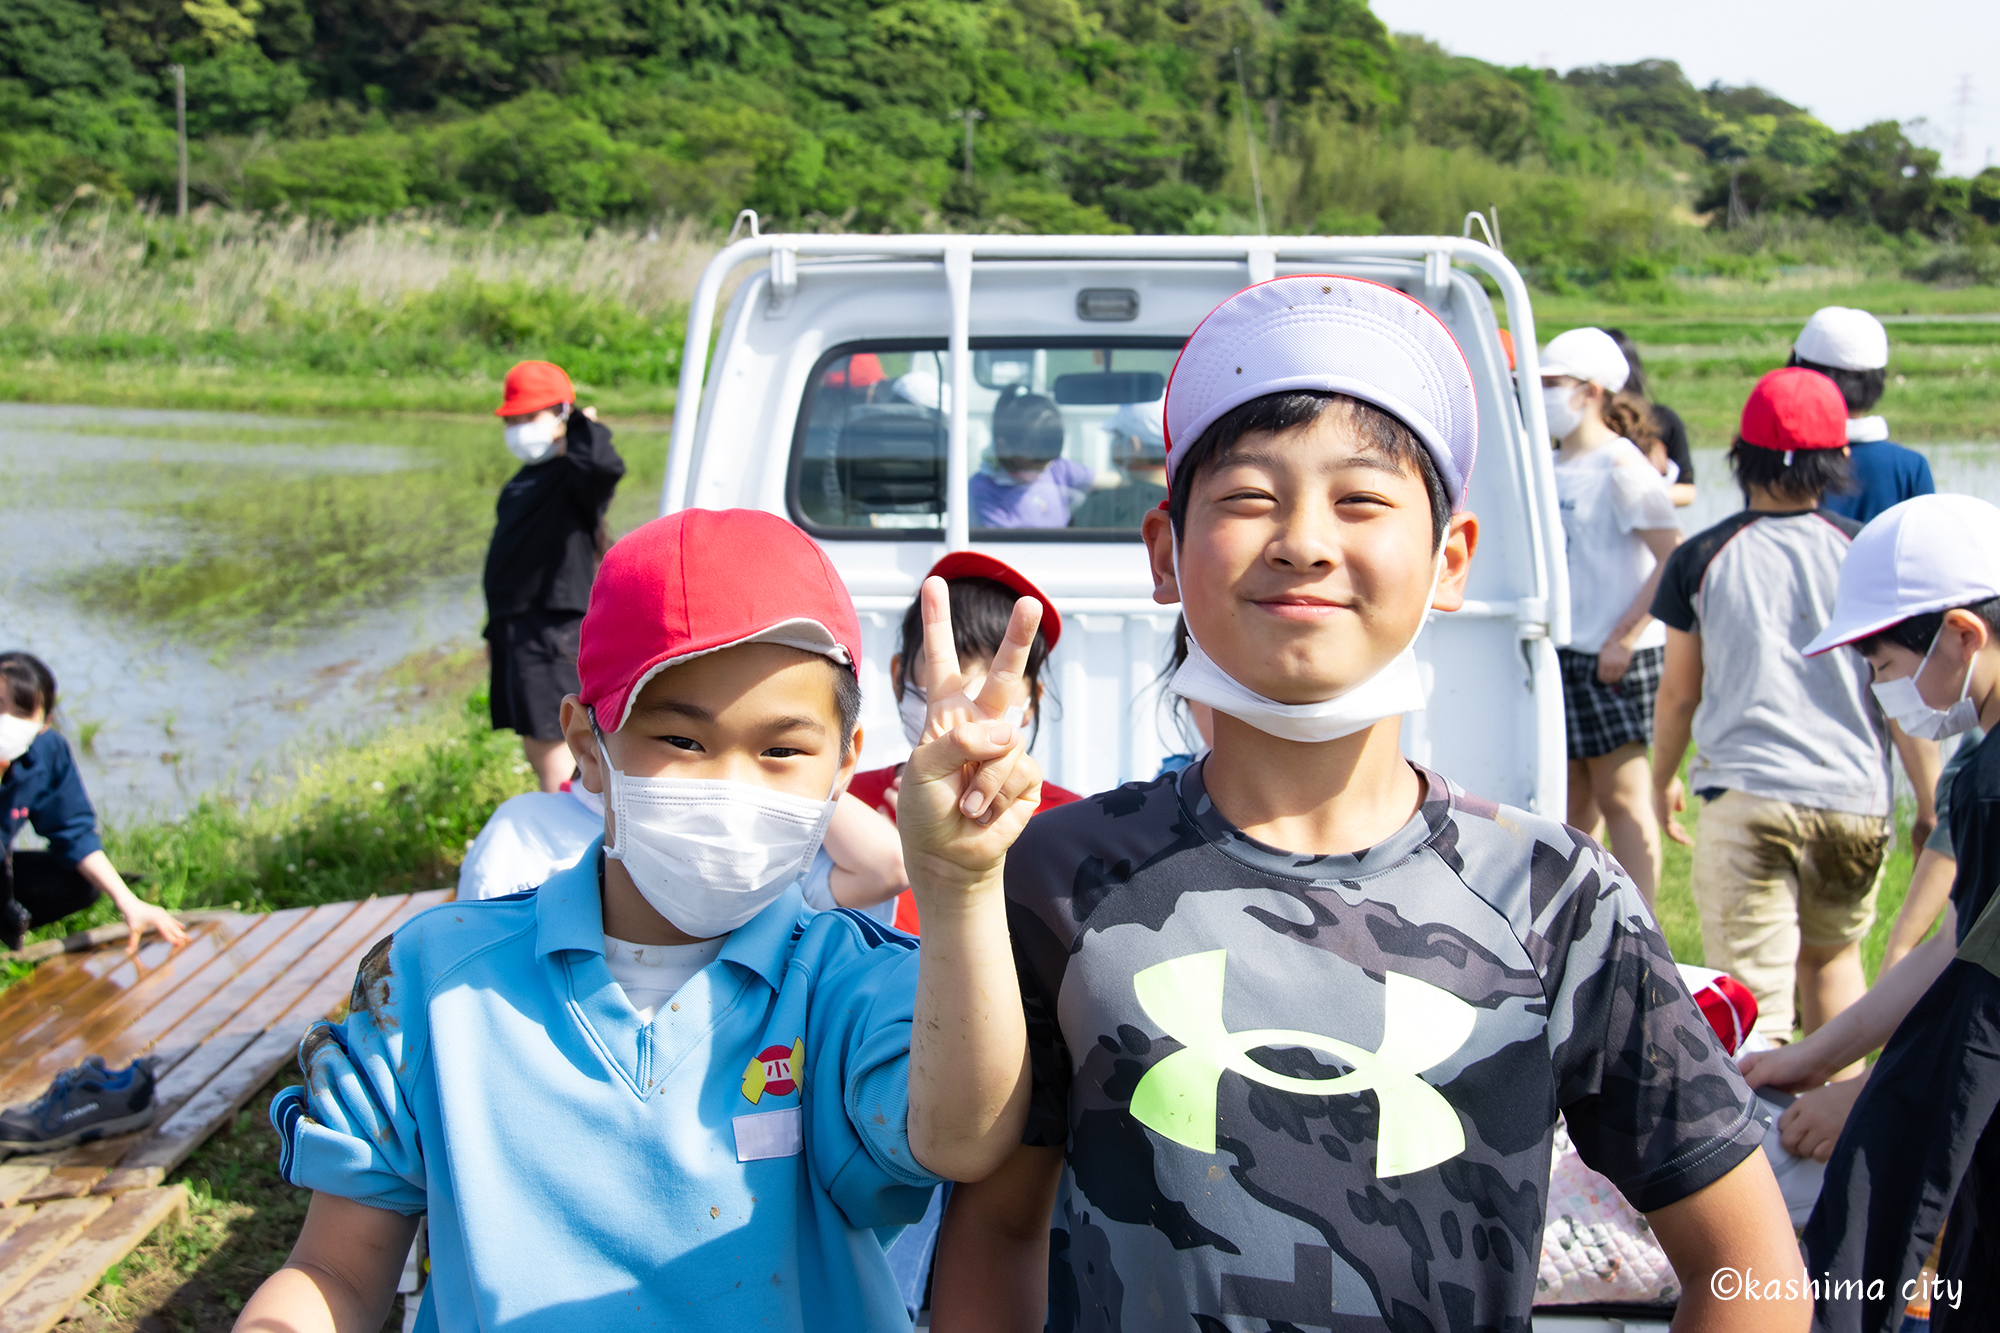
{"x":220,"y":1016}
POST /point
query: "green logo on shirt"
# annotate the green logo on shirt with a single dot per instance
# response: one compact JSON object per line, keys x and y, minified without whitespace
{"x":1422,"y":1027}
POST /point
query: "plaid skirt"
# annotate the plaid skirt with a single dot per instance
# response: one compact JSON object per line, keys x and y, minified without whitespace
{"x":1601,"y":717}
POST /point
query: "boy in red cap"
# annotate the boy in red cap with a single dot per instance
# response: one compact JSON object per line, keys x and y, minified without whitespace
{"x":983,"y":592}
{"x":659,"y":1092}
{"x":1298,"y":1022}
{"x":1792,"y":753}
{"x":546,"y":543}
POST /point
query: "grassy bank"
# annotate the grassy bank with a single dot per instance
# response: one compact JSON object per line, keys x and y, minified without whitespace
{"x":229,"y":311}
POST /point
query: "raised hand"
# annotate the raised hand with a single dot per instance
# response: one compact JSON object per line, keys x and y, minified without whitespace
{"x":969,"y":788}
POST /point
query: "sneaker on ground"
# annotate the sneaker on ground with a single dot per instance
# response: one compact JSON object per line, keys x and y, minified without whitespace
{"x":85,"y":1103}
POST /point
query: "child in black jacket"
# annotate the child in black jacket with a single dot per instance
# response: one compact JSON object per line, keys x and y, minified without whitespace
{"x":546,"y":545}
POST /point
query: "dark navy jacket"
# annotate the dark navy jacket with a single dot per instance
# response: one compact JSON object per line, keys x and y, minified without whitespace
{"x":43,"y":787}
{"x":1885,"y":474}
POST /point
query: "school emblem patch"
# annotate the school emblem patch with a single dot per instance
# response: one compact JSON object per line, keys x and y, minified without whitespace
{"x":778,"y":1071}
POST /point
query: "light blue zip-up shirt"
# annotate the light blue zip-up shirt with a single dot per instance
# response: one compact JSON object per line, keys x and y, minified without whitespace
{"x":740,"y":1162}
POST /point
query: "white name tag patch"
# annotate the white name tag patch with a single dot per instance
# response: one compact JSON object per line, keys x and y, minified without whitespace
{"x":770,"y":1134}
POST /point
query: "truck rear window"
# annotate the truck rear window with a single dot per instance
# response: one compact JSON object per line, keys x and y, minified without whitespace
{"x":1065,"y":435}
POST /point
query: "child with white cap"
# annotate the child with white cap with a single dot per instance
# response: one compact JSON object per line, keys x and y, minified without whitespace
{"x":1619,"y":528}
{"x":1301,"y":1018}
{"x":1791,"y":753}
{"x":1851,"y":348}
{"x":1920,"y":601}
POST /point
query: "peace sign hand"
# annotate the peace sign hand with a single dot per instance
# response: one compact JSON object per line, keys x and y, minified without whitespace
{"x":969,"y":788}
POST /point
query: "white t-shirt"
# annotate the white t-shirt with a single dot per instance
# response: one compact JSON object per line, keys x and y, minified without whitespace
{"x":651,"y":974}
{"x":1607,"y":496}
{"x":528,"y":839}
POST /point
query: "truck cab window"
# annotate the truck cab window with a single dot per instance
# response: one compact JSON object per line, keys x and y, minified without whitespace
{"x":1062,"y":438}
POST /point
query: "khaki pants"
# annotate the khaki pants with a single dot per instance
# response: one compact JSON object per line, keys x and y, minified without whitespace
{"x":1769,"y":875}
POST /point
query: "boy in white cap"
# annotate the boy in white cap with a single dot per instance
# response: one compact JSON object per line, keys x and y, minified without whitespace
{"x":1851,"y":348}
{"x":1618,"y":529}
{"x":1920,"y":600}
{"x":1302,"y":1016}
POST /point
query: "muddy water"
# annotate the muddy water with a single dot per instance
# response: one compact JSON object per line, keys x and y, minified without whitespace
{"x":176,"y":718}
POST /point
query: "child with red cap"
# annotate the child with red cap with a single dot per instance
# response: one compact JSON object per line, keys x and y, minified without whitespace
{"x":547,"y":539}
{"x":982,"y":593}
{"x":659,"y":1091}
{"x":1298,"y":1022}
{"x":1792,"y":753}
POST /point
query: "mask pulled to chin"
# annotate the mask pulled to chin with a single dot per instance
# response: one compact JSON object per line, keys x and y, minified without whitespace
{"x":1396,"y":689}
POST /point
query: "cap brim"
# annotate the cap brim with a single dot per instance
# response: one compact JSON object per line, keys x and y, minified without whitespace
{"x":1841,"y":631}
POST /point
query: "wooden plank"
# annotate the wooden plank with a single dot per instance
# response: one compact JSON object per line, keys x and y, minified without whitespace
{"x":49,"y":1024}
{"x":208,"y":1110}
{"x":124,"y":1028}
{"x":49,"y":984}
{"x":285,"y":956}
{"x":71,"y":1275}
{"x":336,"y":954}
{"x":328,"y":996}
{"x":17,"y":1178}
{"x":38,"y":1239}
{"x":65,"y":1182}
{"x":12,"y":1218}
{"x":130,"y":1178}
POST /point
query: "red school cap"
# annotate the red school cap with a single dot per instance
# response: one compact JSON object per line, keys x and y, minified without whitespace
{"x":973,"y":565}
{"x":1795,"y":408}
{"x":699,"y":581}
{"x":532,"y":386}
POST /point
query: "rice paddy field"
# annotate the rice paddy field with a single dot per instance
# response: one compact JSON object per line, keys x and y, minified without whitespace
{"x":253,"y":474}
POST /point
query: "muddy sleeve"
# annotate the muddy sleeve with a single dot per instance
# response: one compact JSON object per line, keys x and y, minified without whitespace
{"x":349,"y":1130}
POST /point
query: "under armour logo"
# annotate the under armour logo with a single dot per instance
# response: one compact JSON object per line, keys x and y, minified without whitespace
{"x":1423,"y":1026}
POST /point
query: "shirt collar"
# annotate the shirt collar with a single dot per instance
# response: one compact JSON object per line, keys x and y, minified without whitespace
{"x":569,"y":911}
{"x":569,"y":914}
{"x":1867,"y":430}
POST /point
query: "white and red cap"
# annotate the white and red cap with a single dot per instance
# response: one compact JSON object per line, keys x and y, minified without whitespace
{"x":699,"y":581}
{"x":976,"y":565}
{"x":1331,"y":334}
{"x":1932,"y":553}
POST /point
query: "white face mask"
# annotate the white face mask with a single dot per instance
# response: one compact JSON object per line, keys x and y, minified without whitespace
{"x":1559,"y":406}
{"x":1902,"y":700}
{"x":709,"y":854}
{"x":1396,"y":689}
{"x":914,"y":709}
{"x":533,"y":441}
{"x":16,"y":735}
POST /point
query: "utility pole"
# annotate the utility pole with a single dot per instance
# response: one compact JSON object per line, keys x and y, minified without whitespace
{"x":1250,"y":134}
{"x":969,"y":115}
{"x":1961,"y":156}
{"x":181,"y":134}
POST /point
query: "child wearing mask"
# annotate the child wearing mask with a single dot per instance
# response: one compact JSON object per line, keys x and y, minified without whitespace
{"x":39,"y":785}
{"x":1030,"y":485}
{"x":982,"y":594}
{"x":1139,"y":452}
{"x":1299,"y":1021}
{"x":547,"y":539}
{"x":1919,"y":601}
{"x":660,"y":1092}
{"x":1619,"y":528}
{"x":1792,"y":754}
{"x":1851,"y":348}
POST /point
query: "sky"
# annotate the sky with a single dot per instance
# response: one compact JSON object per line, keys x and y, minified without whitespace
{"x":1848,"y":62}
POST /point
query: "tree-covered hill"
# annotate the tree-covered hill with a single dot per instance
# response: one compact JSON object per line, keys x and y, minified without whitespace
{"x":1094,"y":115}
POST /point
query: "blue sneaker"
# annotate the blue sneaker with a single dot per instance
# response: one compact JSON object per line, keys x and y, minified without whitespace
{"x":85,"y":1103}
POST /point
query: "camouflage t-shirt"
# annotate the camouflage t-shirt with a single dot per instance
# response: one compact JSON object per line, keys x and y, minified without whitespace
{"x":1319,"y":1091}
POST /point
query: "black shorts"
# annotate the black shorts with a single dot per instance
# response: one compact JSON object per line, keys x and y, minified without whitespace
{"x":534,"y":666}
{"x":1600,"y":717}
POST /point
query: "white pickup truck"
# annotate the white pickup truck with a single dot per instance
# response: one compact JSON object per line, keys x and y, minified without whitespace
{"x":852,"y":388}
